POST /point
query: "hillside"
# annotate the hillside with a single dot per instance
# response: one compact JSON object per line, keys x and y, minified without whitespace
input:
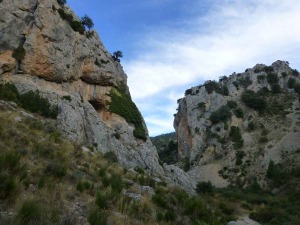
{"x":47,"y":179}
{"x":230,"y":131}
{"x":166,"y":145}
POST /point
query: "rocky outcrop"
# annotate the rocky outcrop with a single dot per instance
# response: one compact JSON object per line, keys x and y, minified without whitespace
{"x":213,"y":146}
{"x":75,"y":72}
{"x":39,"y":50}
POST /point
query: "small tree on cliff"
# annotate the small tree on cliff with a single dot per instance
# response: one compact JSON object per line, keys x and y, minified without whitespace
{"x":117,"y":55}
{"x":61,"y":2}
{"x":87,"y":21}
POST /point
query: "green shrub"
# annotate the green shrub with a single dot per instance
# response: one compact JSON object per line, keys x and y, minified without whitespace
{"x":253,"y":100}
{"x":97,"y":218}
{"x":236,"y":84}
{"x":33,"y":102}
{"x":62,"y":2}
{"x":251,"y":126}
{"x":268,"y":69}
{"x":188,"y":92}
{"x":284,"y":74}
{"x":159,"y":201}
{"x":232,"y":104}
{"x":236,"y":137}
{"x":225,"y":90}
{"x":116,"y":184}
{"x":261,"y":78}
{"x":77,"y":26}
{"x":122,"y":105}
{"x":45,"y":149}
{"x":9,"y":92}
{"x":214,"y":86}
{"x":276,"y":88}
{"x":105,"y":181}
{"x":291,"y":82}
{"x":205,"y":187}
{"x":239,"y":155}
{"x":19,"y":53}
{"x":30,"y":213}
{"x":67,"y":97}
{"x":111,"y":156}
{"x":170,"y":216}
{"x":272,"y":78}
{"x":56,"y":169}
{"x":8,"y":185}
{"x":297,"y":88}
{"x":245,"y":82}
{"x":222,"y":114}
{"x":295,"y":72}
{"x":101,"y":201}
{"x":264,"y":91}
{"x":268,"y":215}
{"x":238,"y":113}
{"x":186,"y":164}
{"x":263,"y":140}
{"x":83,"y":185}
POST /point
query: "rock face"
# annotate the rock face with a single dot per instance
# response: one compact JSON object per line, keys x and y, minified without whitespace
{"x":42,"y":50}
{"x":237,"y":148}
{"x":75,"y":72}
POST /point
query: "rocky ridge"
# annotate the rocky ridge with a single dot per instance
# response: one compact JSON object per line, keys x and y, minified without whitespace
{"x":226,"y":141}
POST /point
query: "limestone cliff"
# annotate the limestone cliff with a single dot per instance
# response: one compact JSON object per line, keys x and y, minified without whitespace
{"x":229,"y":131}
{"x":44,"y":47}
{"x":41,"y":49}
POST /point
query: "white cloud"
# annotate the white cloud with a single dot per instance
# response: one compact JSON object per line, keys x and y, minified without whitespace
{"x":231,"y":37}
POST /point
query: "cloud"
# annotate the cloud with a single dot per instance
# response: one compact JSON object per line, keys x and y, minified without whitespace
{"x":230,"y":37}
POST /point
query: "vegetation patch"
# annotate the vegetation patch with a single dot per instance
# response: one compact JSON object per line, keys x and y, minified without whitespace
{"x":31,"y":101}
{"x":19,"y":53}
{"x":122,"y":105}
{"x":214,"y":86}
{"x":77,"y":26}
{"x":253,"y":100}
{"x":236,"y":137}
{"x":222,"y":114}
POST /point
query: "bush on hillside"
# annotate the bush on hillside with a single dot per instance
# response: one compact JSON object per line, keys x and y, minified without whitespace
{"x":295,"y":72}
{"x":297,"y":88}
{"x":19,"y":53}
{"x":253,"y":100}
{"x":122,"y":105}
{"x":236,"y":137}
{"x":291,"y":82}
{"x":264,"y":91}
{"x":222,"y":114}
{"x":9,"y":92}
{"x":238,"y":113}
{"x":62,"y":2}
{"x":268,"y":69}
{"x":276,"y":88}
{"x":232,"y":104}
{"x":205,"y":187}
{"x":87,"y":21}
{"x":272,"y":78}
{"x":33,"y":102}
{"x":245,"y":82}
{"x":214,"y":86}
{"x":77,"y":26}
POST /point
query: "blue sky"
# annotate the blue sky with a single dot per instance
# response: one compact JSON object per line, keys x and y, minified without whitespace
{"x":171,"y":45}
